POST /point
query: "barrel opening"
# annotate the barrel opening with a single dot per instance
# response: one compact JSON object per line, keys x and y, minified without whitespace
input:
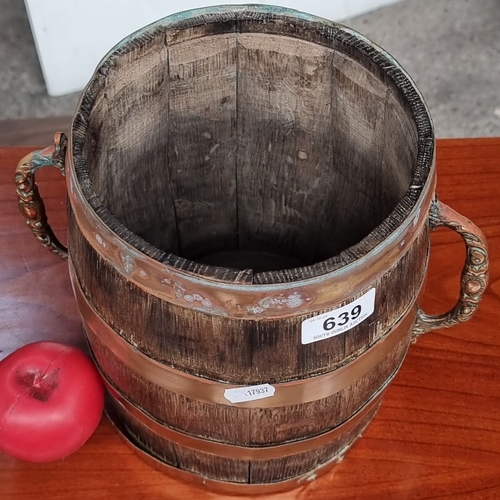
{"x":251,"y":150}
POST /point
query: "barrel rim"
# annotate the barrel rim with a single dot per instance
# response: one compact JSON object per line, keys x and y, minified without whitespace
{"x":407,"y":210}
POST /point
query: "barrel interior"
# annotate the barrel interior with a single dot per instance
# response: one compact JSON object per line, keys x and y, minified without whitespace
{"x":246,"y":149}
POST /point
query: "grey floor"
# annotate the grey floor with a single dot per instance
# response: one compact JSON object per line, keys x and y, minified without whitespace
{"x":451,"y":48}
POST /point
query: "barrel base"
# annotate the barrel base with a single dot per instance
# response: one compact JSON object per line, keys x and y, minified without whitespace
{"x":230,"y":488}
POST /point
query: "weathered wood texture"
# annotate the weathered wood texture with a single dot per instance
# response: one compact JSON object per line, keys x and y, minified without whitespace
{"x":237,"y":470}
{"x":273,"y":144}
{"x":439,"y":419}
{"x":246,"y":426}
{"x":201,"y":144}
{"x":231,"y":349}
{"x":222,"y":137}
{"x":240,"y":352}
{"x":259,"y":136}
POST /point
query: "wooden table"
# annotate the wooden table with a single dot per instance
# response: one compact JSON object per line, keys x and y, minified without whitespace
{"x":437,"y":434}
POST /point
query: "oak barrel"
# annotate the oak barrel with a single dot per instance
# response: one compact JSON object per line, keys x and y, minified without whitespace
{"x":248,"y":237}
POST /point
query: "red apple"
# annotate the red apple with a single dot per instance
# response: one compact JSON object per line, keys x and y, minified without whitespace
{"x":51,"y":401}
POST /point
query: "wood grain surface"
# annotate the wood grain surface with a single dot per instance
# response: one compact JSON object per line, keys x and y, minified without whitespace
{"x":437,"y":434}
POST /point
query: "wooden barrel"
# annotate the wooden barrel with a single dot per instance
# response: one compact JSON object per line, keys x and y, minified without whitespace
{"x":249,"y":190}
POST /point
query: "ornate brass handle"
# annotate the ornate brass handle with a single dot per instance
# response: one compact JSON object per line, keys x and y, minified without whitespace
{"x":474,"y":274}
{"x":29,"y":200}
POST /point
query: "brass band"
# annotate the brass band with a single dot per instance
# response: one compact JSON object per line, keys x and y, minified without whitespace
{"x":242,"y":452}
{"x":226,"y":487}
{"x":201,"y":389}
{"x":243,"y":300}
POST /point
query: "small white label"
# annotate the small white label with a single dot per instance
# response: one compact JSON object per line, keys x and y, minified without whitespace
{"x":250,"y":393}
{"x":339,"y":320}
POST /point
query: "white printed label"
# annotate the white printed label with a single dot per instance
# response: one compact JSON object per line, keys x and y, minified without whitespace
{"x":339,"y":320}
{"x":250,"y":393}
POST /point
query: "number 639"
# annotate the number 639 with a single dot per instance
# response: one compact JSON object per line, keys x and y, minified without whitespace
{"x":342,"y":319}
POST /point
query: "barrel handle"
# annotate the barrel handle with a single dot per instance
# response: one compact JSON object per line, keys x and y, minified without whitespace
{"x":474,"y":274}
{"x":29,"y":200}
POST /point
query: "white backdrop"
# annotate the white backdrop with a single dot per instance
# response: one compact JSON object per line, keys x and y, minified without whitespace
{"x":72,"y":36}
